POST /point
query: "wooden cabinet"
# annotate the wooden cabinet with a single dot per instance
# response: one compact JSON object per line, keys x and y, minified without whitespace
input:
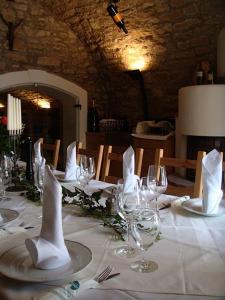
{"x":117,"y":139}
{"x":150,"y":144}
{"x":122,"y":140}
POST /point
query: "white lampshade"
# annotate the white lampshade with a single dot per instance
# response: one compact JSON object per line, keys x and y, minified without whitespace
{"x":202,"y":110}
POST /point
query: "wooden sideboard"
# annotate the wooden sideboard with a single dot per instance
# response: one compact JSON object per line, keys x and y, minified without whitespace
{"x":122,"y":140}
{"x":150,"y":144}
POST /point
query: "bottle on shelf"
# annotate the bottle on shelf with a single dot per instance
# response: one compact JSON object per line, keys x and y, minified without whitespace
{"x":210,"y":77}
{"x":119,"y":21}
{"x":93,"y":118}
{"x":29,"y":161}
{"x":199,"y":77}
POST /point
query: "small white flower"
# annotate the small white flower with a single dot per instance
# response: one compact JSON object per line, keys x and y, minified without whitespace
{"x":102,"y":202}
{"x":68,"y":199}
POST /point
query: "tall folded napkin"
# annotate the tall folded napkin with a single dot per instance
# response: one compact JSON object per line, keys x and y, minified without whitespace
{"x":128,"y":170}
{"x":212,"y":180}
{"x":48,"y":251}
{"x":71,"y":166}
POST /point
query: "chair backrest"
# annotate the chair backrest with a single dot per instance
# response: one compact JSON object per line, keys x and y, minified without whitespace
{"x":110,"y":156}
{"x":97,"y":154}
{"x":53,"y":149}
{"x":196,"y":190}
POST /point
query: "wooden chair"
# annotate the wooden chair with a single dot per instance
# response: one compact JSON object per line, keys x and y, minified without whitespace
{"x":97,"y":154}
{"x":194,"y":191}
{"x":53,"y":149}
{"x":110,"y":156}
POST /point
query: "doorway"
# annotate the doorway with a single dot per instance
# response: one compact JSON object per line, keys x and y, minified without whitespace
{"x":71,"y":97}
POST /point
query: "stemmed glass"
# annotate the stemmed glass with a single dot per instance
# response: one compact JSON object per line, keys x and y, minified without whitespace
{"x":127,"y":203}
{"x":5,"y":176}
{"x":144,"y":230}
{"x":86,"y":170}
{"x":157,"y":176}
{"x":2,"y":187}
{"x":147,"y":192}
{"x":40,"y":181}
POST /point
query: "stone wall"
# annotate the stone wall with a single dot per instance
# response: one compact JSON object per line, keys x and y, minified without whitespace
{"x":44,"y":43}
{"x":78,"y":40}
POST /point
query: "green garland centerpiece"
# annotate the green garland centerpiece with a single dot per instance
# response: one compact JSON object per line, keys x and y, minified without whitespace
{"x":95,"y":206}
{"x":91,"y":205}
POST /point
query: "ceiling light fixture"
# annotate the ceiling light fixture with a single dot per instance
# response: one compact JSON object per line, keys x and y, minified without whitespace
{"x":39,"y":101}
{"x":43,"y":103}
{"x":2,"y":105}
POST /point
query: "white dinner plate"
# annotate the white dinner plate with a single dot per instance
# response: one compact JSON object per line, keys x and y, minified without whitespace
{"x":7,"y":215}
{"x":16,"y":263}
{"x":195,"y":205}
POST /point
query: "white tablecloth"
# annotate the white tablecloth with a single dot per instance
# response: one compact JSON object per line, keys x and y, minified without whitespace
{"x":190,"y":255}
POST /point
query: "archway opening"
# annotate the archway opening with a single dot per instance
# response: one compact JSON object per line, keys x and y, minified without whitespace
{"x":70,"y":115}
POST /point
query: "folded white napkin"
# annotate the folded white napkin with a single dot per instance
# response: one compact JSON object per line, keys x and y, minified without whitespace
{"x":128,"y":170}
{"x":71,"y":166}
{"x":37,"y":151}
{"x":212,"y":180}
{"x":48,"y":251}
{"x":68,"y":291}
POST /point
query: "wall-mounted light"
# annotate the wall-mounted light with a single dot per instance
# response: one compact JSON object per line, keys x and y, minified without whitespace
{"x":134,"y":58}
{"x":2,"y":105}
{"x":43,"y":103}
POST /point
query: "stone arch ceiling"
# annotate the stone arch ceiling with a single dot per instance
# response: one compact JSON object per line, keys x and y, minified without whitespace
{"x":171,"y":35}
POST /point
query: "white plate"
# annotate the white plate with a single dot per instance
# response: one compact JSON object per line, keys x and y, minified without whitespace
{"x":195,"y":205}
{"x":7,"y":215}
{"x":16,"y":263}
{"x":60,"y":178}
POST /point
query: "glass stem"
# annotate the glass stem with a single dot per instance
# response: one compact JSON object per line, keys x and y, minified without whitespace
{"x":156,"y":204}
{"x":128,"y":231}
{"x":41,"y":195}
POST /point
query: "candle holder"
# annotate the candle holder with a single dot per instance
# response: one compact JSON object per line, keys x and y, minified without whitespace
{"x":14,"y":127}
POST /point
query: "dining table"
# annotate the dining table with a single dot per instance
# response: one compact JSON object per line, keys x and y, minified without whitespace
{"x":190,"y":254}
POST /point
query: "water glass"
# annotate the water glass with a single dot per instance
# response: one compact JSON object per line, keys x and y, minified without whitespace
{"x":86,"y":170}
{"x":127,"y":203}
{"x":157,"y":176}
{"x":145,"y":230}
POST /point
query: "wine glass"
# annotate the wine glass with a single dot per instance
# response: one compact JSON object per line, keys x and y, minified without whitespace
{"x":40,"y":181}
{"x":86,"y":170}
{"x":144,"y":231}
{"x":127,"y":204}
{"x":2,"y":188}
{"x":147,"y":192}
{"x":157,"y":176}
{"x":6,"y":169}
{"x":5,"y":176}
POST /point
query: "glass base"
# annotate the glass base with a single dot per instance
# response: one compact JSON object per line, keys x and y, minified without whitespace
{"x":126,"y":251}
{"x":144,"y":266}
{"x":4,"y":197}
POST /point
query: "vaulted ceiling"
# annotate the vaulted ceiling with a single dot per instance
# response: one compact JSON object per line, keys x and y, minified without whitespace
{"x":77,"y":39}
{"x":166,"y":38}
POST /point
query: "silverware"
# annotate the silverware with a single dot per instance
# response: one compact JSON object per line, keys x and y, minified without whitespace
{"x":29,"y":227}
{"x":112,"y":275}
{"x":104,"y":274}
{"x":165,"y":206}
